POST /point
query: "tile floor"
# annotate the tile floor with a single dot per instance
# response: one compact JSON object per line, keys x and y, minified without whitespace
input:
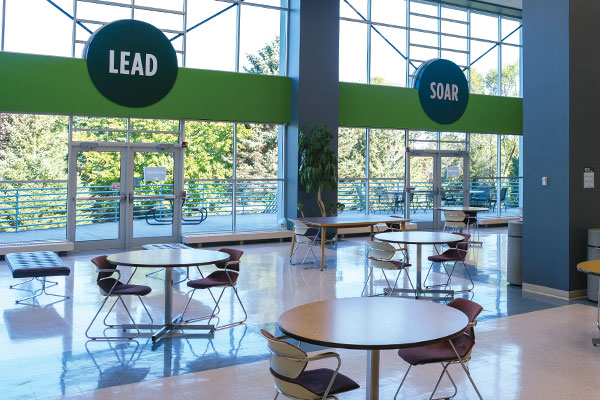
{"x":528,"y":346}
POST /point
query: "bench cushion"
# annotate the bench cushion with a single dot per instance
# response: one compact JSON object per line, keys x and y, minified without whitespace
{"x":36,"y":264}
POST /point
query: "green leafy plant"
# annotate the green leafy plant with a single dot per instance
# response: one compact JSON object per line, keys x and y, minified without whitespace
{"x":318,"y":163}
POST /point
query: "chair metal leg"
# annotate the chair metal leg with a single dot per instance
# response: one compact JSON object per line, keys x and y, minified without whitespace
{"x":21,"y":283}
{"x":112,"y":326}
{"x":444,"y":371}
{"x":369,"y":276}
{"x":465,"y":369}
{"x":440,"y":284}
{"x":231,"y":325}
{"x":468,"y":273}
{"x":402,"y":383}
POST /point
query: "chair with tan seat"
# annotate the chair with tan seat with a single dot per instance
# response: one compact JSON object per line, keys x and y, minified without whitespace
{"x":292,"y":379}
{"x":455,"y":351}
{"x":381,"y":255}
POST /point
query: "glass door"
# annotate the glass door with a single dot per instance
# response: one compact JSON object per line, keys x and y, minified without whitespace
{"x":419,"y":198}
{"x":95,"y":200}
{"x":155,"y":199}
{"x":452,"y":180}
{"x":435,"y":179}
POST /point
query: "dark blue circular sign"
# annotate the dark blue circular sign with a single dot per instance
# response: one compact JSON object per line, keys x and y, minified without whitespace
{"x":131,"y":63}
{"x":443,"y":90}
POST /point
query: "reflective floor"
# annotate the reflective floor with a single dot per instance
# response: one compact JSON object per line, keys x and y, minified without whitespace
{"x":528,"y":346}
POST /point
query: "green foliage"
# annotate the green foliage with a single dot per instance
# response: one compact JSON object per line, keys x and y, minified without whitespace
{"x":33,"y":147}
{"x":318,"y":162}
{"x":488,"y":84}
{"x":266,"y":62}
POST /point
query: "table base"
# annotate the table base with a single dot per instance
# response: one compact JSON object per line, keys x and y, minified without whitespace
{"x":175,"y":325}
{"x":372,"y":375}
{"x":422,"y":292}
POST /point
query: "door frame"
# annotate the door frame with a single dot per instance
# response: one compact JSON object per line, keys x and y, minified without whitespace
{"x":127,"y":151}
{"x":437,"y":155}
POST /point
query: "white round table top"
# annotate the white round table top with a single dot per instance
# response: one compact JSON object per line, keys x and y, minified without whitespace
{"x":419,"y":237}
{"x":467,"y":209}
{"x":373,"y":323}
{"x":167,"y":258}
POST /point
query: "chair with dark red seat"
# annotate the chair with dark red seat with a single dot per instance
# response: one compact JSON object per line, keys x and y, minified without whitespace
{"x":288,"y":367}
{"x":225,"y":276}
{"x":455,"y":351}
{"x":456,"y":253}
{"x":110,"y":286}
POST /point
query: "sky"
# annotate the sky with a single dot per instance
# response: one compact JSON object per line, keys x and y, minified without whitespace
{"x":35,"y":26}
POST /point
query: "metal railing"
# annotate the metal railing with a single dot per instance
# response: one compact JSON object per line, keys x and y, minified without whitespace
{"x":386,"y":195}
{"x":28,"y":205}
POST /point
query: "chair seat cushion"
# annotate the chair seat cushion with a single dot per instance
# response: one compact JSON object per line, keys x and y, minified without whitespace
{"x":36,"y":264}
{"x":448,"y":255}
{"x":317,"y":381}
{"x":400,"y":264}
{"x":124,"y":289}
{"x":437,"y":352}
{"x":217,"y":278}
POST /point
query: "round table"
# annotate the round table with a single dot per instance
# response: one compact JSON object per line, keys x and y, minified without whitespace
{"x":592,"y":268}
{"x":373,"y":324}
{"x":168,"y":259}
{"x":420,"y":238}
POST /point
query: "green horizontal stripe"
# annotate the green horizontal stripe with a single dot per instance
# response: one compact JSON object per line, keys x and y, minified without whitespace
{"x":377,"y":106}
{"x":58,"y":85}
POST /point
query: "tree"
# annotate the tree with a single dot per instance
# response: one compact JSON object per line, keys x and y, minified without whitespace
{"x":488,"y":84}
{"x":266,"y":62}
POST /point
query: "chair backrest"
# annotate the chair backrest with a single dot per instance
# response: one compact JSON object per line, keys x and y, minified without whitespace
{"x":286,"y":359}
{"x":104,"y":281}
{"x":380,"y":250}
{"x":470,"y":309}
{"x":234,"y":255}
{"x":300,"y":228}
{"x":503,"y":193}
{"x":454,"y":216}
{"x":463,"y":244}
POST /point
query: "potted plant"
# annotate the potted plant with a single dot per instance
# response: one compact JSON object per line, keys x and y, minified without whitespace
{"x":318,"y":164}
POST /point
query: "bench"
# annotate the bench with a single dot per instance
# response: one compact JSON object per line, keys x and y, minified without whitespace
{"x":35,"y":265}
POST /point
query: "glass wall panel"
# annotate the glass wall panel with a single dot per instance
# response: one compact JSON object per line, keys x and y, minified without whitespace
{"x":208,"y":173}
{"x":389,"y":12}
{"x":259,"y":40}
{"x":33,"y":177}
{"x":353,"y":52}
{"x":352,"y":169}
{"x":388,"y":66}
{"x":511,"y":71}
{"x":43,"y":31}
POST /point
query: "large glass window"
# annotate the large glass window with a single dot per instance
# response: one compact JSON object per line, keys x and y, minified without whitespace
{"x":384,"y":43}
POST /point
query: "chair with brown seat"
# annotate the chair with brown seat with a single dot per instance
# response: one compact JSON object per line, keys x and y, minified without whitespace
{"x":113,"y":287}
{"x":455,"y":351}
{"x":456,"y":253}
{"x":288,"y":367}
{"x":224,"y":277}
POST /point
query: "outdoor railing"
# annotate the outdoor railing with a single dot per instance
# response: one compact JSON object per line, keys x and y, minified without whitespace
{"x":26,"y":205}
{"x":388,"y":195}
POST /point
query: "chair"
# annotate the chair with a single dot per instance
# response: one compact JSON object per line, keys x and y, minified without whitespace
{"x":456,"y":252}
{"x":481,"y":199}
{"x":380,"y":255}
{"x":502,"y":199}
{"x":226,"y":276}
{"x":303,"y":234}
{"x":288,"y":367}
{"x":455,"y":219}
{"x":455,"y":351}
{"x":360,"y":194}
{"x":113,"y":287}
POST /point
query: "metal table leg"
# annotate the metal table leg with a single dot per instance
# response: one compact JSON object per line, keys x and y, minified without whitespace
{"x":372,"y":375}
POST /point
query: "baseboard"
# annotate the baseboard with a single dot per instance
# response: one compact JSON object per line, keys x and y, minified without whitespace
{"x":37,"y":245}
{"x":561,"y":294}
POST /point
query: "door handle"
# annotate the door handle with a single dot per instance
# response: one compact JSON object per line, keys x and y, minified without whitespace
{"x":130,"y":195}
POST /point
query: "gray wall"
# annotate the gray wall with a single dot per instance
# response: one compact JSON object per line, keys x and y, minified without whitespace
{"x":314,"y":69}
{"x":559,"y":139}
